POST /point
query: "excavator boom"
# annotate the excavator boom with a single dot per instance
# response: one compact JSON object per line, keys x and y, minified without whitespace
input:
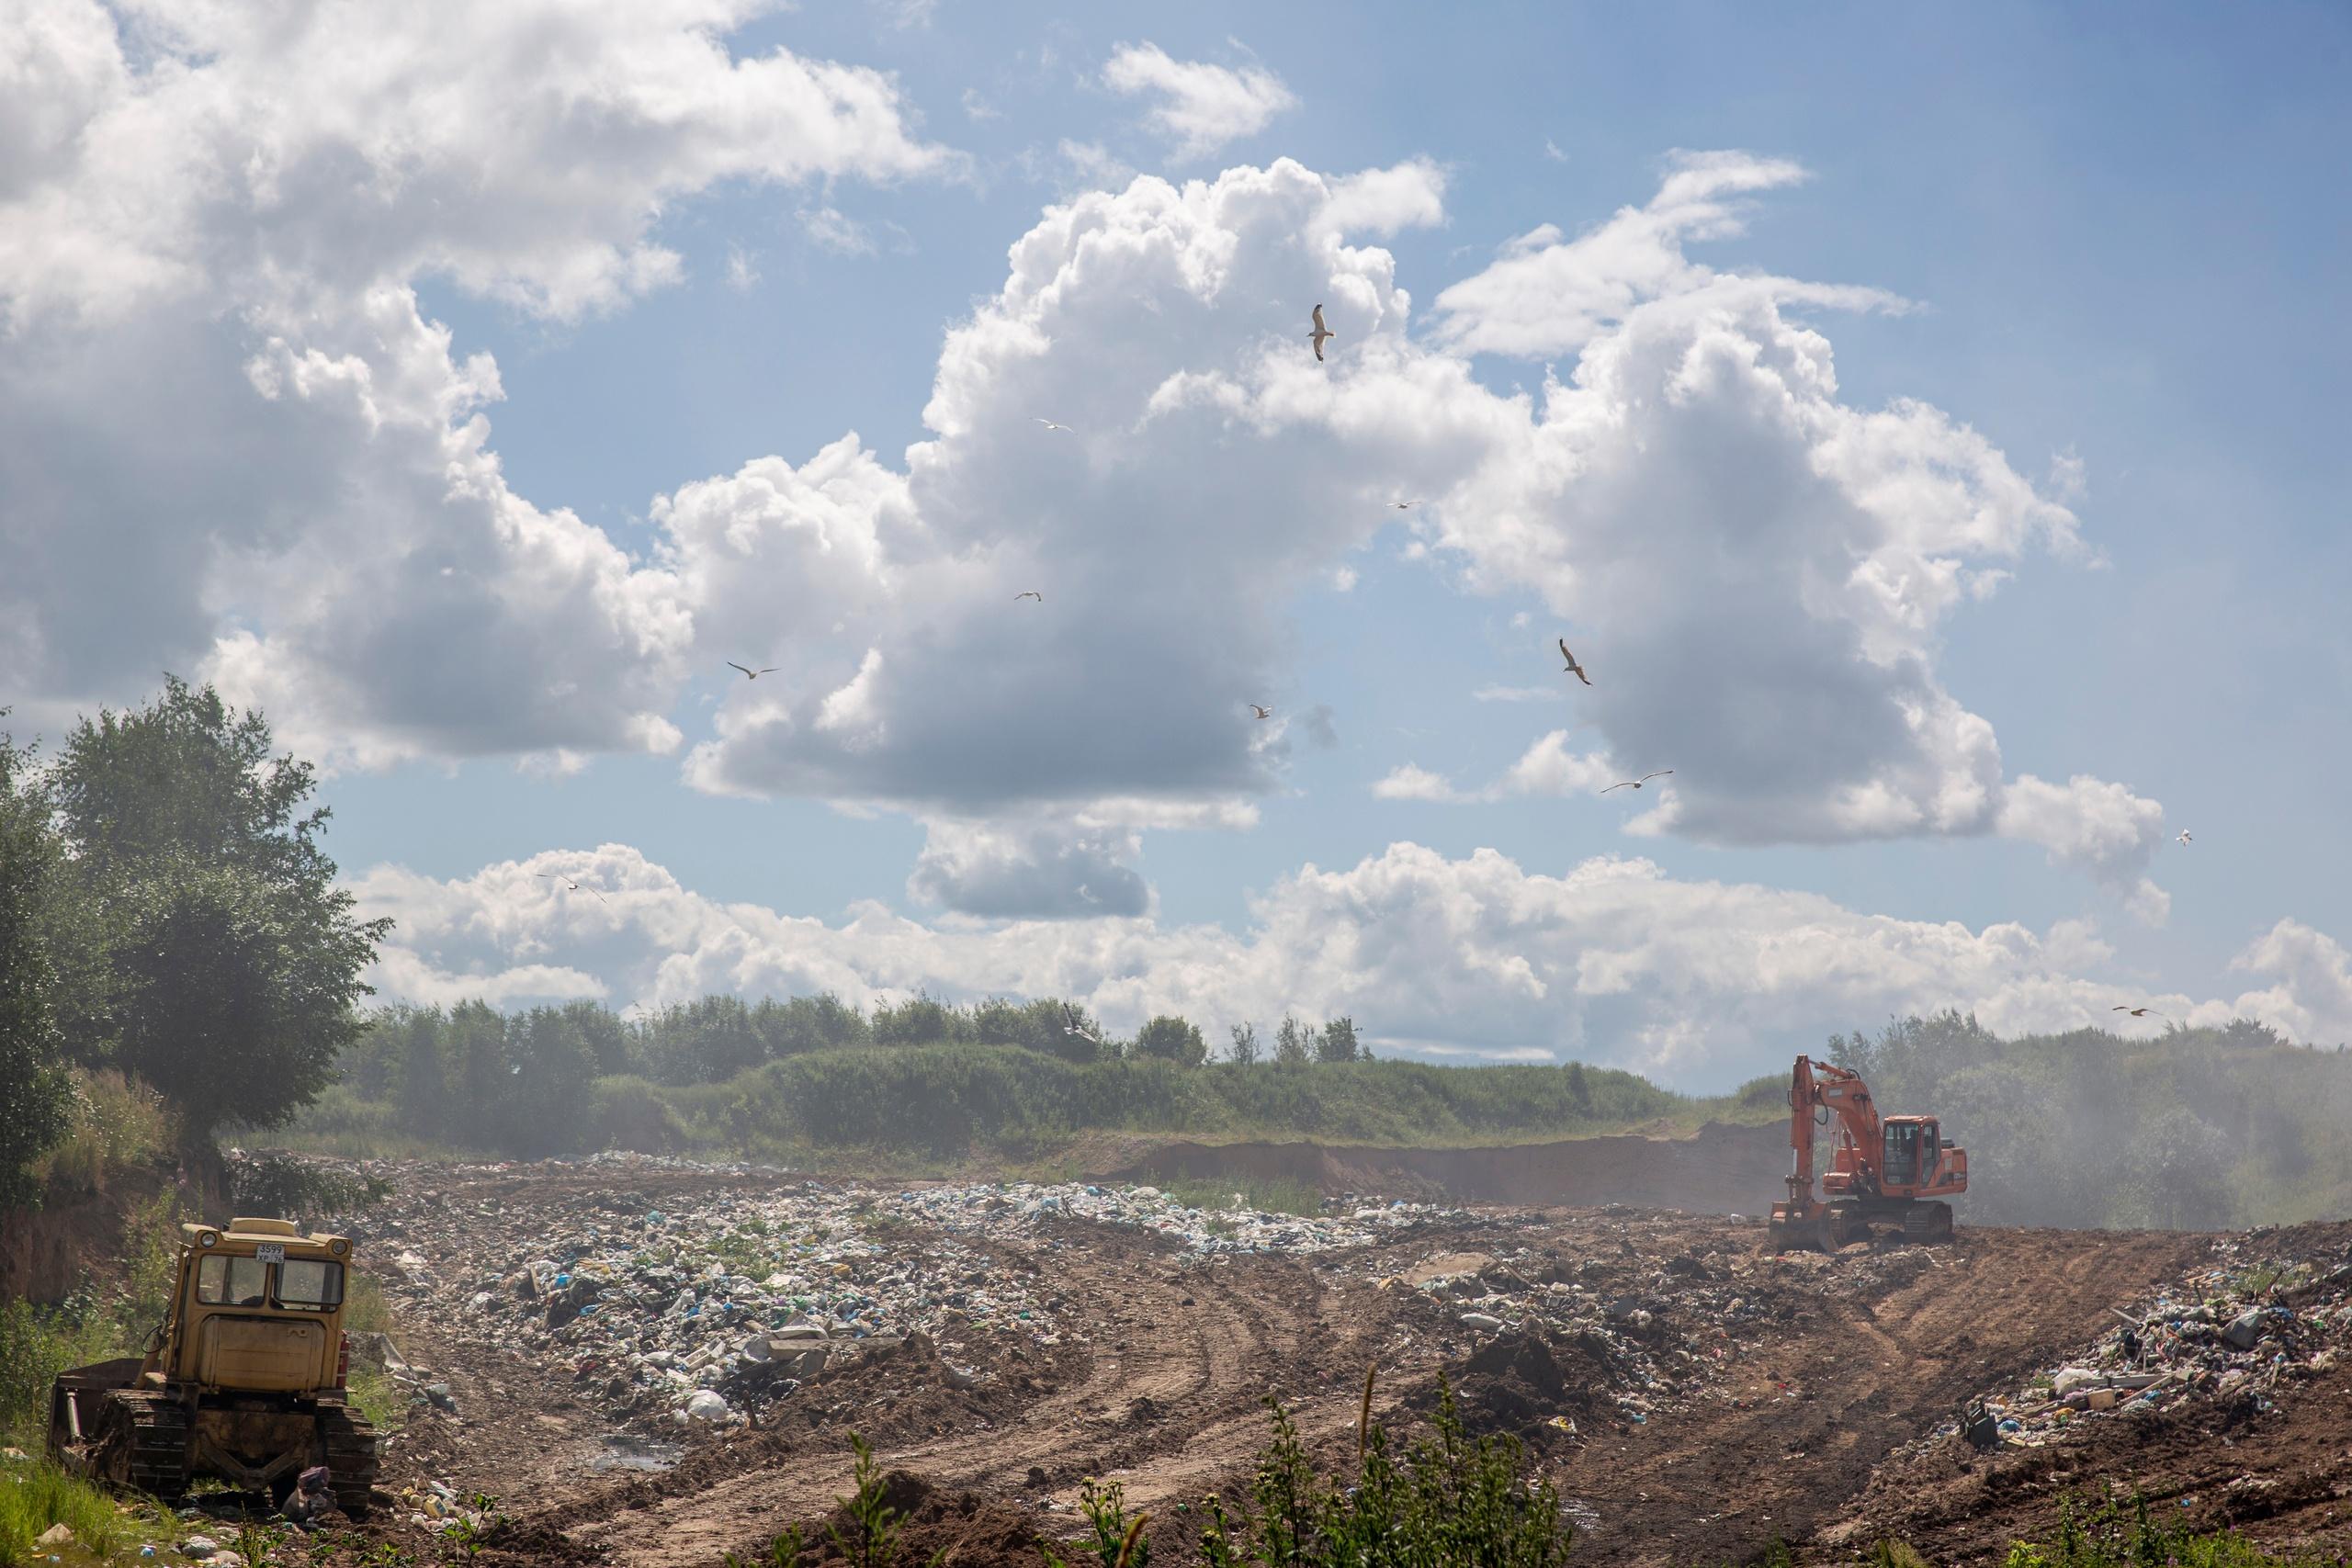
{"x":1894,"y":1170}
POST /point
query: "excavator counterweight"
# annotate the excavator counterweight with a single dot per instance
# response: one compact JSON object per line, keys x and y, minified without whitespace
{"x":1888,"y":1171}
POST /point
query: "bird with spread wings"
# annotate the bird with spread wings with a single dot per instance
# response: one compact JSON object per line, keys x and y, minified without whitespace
{"x":1574,"y":668}
{"x":2139,"y":1012}
{"x":1262,"y":712}
{"x":570,"y":886}
{"x":1320,"y":335}
{"x":1636,"y":783}
{"x":752,"y":674}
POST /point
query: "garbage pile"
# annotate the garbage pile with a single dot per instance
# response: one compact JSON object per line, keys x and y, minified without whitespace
{"x":706,"y":1310}
{"x":1616,"y":1338}
{"x":2241,"y":1331}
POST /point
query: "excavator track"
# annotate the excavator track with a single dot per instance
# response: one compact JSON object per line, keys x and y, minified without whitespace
{"x":350,"y":1443}
{"x":142,"y":1443}
{"x":1926,"y":1224}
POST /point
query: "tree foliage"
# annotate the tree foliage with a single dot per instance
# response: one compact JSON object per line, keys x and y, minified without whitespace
{"x":1170,"y":1039}
{"x":202,"y":941}
{"x":34,"y":1098}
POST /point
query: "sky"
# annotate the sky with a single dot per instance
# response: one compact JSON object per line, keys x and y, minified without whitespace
{"x":1922,"y":426}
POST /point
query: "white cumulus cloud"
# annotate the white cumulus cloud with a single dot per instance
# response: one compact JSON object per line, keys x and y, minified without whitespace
{"x":1201,"y":107}
{"x":1699,"y":983}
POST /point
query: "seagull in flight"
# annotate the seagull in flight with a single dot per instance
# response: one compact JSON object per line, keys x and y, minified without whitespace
{"x":1262,"y":712}
{"x":1320,"y":335}
{"x":1049,"y":424}
{"x":1636,"y":783}
{"x":2184,"y":836}
{"x":1070,"y":1026}
{"x":1403,"y":505}
{"x":1029,"y":594}
{"x":2139,"y":1012}
{"x":750,"y":674}
{"x":570,"y":885}
{"x":1574,"y":668}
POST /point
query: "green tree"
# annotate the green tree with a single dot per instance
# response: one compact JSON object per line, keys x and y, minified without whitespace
{"x":35,"y":1101}
{"x":1337,"y":1042}
{"x":224,"y":998}
{"x":199,"y":934}
{"x":1294,"y":1043}
{"x":1579,"y":1090}
{"x":1171,"y":1039}
{"x":1245,"y":1044}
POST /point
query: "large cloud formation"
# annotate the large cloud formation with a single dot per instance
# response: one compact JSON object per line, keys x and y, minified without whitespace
{"x":238,"y":446}
{"x":1699,"y":983}
{"x":234,"y":440}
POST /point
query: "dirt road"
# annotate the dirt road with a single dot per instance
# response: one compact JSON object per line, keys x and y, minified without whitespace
{"x":1767,"y":1390}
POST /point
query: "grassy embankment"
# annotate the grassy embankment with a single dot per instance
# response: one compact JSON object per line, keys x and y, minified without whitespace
{"x":117,"y":1126}
{"x":934,"y":1107}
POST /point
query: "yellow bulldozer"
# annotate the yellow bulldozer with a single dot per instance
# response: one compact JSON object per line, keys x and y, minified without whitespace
{"x":243,"y":1379}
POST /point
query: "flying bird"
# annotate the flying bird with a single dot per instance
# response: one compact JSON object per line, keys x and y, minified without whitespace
{"x":570,"y":885}
{"x":2184,"y":836}
{"x":1070,"y":1024}
{"x":1261,"y":713}
{"x":1321,"y":334}
{"x":1029,"y":594}
{"x":1402,"y":505}
{"x":1574,"y":668}
{"x":1636,"y":783}
{"x":750,"y":674}
{"x":1049,"y":424}
{"x":2139,"y":1012}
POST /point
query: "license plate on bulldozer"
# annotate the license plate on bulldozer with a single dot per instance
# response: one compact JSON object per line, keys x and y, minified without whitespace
{"x":270,"y":1252}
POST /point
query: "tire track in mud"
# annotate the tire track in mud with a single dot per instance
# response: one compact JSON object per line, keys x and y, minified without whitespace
{"x":1170,"y":1405}
{"x":1166,"y":1360}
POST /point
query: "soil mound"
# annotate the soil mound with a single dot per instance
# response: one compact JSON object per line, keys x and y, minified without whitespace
{"x":1520,"y":1383}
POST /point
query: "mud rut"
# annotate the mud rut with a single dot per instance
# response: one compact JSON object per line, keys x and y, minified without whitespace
{"x":1167,"y":1394}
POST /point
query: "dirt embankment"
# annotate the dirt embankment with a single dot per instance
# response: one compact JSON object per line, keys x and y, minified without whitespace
{"x":1724,"y":1169}
{"x":48,"y":1252}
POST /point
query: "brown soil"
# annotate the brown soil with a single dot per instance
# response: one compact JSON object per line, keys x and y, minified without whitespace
{"x":1801,"y":1409}
{"x":1724,"y":1169}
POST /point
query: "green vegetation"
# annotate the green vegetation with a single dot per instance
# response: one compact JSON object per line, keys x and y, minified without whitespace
{"x":1266,"y":1194}
{"x":527,"y":1085}
{"x":35,"y":1101}
{"x":174,"y":950}
{"x":2116,"y":1535}
{"x":1448,"y":1498}
{"x":2198,"y":1128}
{"x":113,"y":1123}
{"x":35,"y":1494}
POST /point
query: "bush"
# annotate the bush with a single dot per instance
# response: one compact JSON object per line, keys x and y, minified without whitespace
{"x":115,"y":1122}
{"x":1170,"y":1039}
{"x":1451,"y":1498}
{"x":35,"y":1344}
{"x":286,"y":1187}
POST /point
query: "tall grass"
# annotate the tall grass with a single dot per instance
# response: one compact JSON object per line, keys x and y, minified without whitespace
{"x":117,"y":1122}
{"x":35,"y":1496}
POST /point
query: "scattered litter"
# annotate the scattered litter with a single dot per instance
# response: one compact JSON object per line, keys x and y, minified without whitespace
{"x":2239,"y":1331}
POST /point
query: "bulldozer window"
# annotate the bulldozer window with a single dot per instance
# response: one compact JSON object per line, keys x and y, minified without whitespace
{"x":230,"y":1281}
{"x":309,"y":1283}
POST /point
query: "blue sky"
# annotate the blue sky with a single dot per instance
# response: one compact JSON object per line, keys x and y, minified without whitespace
{"x":2117,"y":234}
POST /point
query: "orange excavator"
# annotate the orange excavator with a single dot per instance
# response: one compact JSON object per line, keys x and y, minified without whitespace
{"x":1891,"y":1170}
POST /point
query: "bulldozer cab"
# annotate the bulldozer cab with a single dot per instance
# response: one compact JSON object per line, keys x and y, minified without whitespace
{"x":1908,"y":1154}
{"x":258,"y":1308}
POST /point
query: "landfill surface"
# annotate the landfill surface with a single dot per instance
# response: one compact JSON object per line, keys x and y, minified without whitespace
{"x":650,"y":1361}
